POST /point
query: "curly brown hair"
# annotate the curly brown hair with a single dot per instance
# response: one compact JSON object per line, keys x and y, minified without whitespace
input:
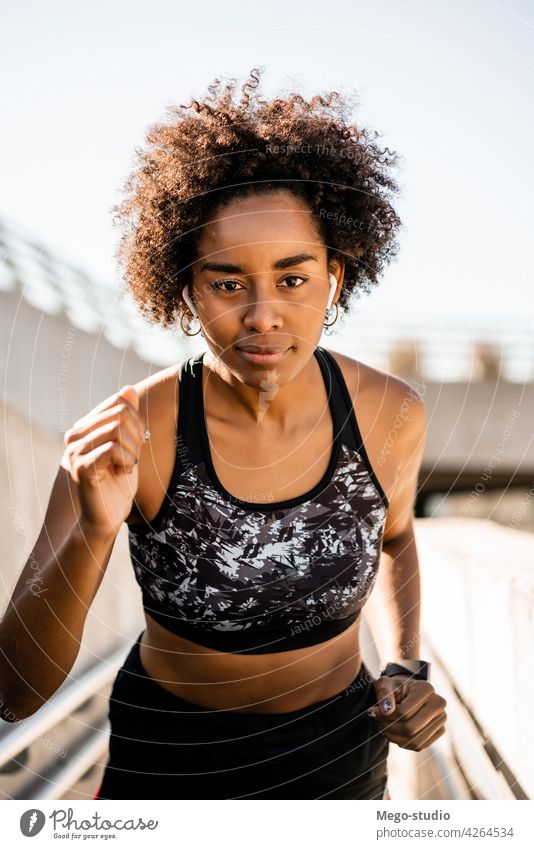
{"x":212,"y":151}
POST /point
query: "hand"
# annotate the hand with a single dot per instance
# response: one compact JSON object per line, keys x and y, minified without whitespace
{"x":101,"y":456}
{"x":417,"y":715}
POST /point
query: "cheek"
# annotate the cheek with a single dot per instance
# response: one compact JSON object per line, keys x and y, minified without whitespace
{"x":221,"y":324}
{"x":222,"y":319}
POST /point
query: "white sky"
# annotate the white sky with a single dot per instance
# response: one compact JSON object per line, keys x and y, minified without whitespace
{"x":448,"y":84}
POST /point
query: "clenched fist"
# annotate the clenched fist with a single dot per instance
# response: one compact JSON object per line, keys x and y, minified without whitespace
{"x":101,"y":455}
{"x":409,"y":711}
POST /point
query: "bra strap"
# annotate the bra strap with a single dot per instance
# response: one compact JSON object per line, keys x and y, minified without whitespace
{"x":351,"y":433}
{"x":188,"y":446}
{"x":341,"y":399}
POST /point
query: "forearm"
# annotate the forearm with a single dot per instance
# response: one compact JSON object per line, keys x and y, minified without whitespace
{"x":42,"y":628}
{"x":393,"y":608}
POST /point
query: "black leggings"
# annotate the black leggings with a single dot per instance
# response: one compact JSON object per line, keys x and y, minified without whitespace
{"x":164,"y":747}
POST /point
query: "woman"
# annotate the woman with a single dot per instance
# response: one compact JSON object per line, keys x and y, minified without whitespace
{"x":247,"y":475}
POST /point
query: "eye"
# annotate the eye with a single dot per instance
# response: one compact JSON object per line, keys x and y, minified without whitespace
{"x":219,"y":283}
{"x":295,"y":277}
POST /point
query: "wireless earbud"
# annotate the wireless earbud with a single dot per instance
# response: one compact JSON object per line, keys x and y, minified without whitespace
{"x":333,"y":287}
{"x":187,"y":298}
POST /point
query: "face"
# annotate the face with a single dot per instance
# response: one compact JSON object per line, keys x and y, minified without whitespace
{"x":261,"y":281}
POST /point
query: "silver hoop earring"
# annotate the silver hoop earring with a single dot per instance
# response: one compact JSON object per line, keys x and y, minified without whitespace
{"x":190,"y":323}
{"x":333,"y":310}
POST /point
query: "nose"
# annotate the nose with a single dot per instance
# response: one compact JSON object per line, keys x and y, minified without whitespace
{"x":262,"y":311}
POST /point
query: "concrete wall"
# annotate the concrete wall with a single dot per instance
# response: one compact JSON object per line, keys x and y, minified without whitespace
{"x":52,"y":373}
{"x":469,"y":423}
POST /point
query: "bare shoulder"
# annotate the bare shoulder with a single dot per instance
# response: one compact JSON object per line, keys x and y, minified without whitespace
{"x":391,"y":417}
{"x":158,"y":406}
{"x":155,"y":391}
{"x":392,"y":393}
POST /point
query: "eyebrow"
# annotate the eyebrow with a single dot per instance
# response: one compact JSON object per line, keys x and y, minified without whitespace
{"x":285,"y":262}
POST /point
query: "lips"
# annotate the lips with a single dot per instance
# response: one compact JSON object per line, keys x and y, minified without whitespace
{"x":262,"y":356}
{"x":257,"y":349}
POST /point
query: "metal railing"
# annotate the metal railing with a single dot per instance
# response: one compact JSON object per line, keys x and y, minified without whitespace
{"x":474,"y":755}
{"x":473,"y":767}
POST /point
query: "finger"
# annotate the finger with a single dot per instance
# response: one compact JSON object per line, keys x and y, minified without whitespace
{"x":90,"y":466}
{"x":119,"y":428}
{"x":434,"y":737}
{"x":121,"y":412}
{"x":402,"y":690}
{"x":410,"y":721}
{"x":409,"y":726}
{"x":419,"y":737}
{"x":423,"y":740}
{"x":426,"y":712}
{"x":106,"y":433}
{"x":128,"y":393}
{"x":385,"y":696}
{"x":418,"y":693}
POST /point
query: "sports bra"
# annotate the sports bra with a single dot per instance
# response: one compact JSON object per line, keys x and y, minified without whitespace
{"x":249,"y":577}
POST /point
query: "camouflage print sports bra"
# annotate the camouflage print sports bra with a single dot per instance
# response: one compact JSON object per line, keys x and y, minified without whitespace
{"x":245,"y":577}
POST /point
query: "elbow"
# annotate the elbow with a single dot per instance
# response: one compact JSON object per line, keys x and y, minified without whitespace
{"x":18,"y":701}
{"x":401,"y":537}
{"x":9,"y":710}
{"x":16,"y":710}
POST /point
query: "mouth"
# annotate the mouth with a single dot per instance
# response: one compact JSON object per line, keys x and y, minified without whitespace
{"x":261,"y":354}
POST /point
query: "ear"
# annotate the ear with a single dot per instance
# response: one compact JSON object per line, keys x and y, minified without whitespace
{"x":336,"y":266}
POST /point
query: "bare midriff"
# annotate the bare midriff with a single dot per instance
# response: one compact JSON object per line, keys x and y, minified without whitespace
{"x":278,"y":682}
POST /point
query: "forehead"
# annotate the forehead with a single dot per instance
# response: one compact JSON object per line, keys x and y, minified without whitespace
{"x":259,"y":224}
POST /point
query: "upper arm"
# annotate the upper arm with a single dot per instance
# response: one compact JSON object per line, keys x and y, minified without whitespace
{"x":392,"y":420}
{"x":407,"y":410}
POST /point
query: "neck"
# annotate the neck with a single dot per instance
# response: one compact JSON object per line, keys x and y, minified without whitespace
{"x":266,"y":403}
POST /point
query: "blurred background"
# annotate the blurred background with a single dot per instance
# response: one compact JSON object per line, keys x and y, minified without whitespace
{"x":450,"y":88}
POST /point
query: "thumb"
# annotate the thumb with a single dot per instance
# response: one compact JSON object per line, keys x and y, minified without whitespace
{"x":129,"y":393}
{"x":385,"y":695}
